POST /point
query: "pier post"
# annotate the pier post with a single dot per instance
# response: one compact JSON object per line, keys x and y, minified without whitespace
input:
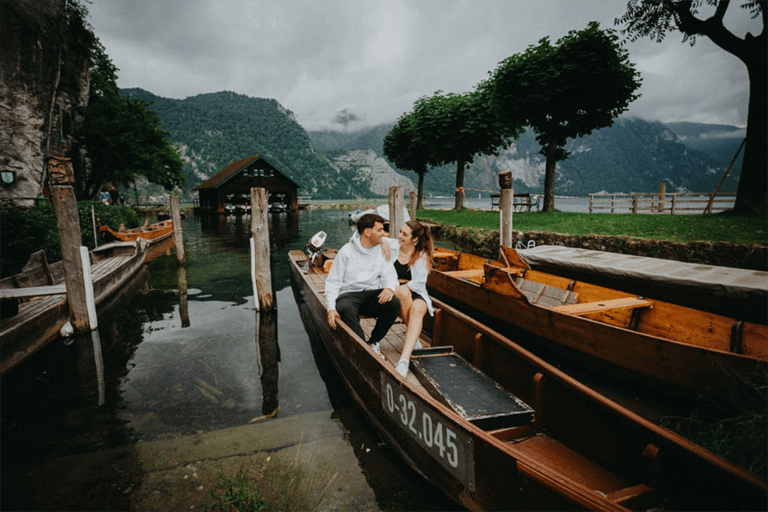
{"x":261,"y":260}
{"x":178,"y":237}
{"x":396,"y":208}
{"x":662,"y":196}
{"x":413,"y":204}
{"x":506,"y":208}
{"x":68,"y":221}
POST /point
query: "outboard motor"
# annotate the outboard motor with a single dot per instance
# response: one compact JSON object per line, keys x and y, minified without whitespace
{"x":315,"y":245}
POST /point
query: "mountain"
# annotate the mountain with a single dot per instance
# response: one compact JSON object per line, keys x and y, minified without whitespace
{"x":633,"y":155}
{"x":213,"y":130}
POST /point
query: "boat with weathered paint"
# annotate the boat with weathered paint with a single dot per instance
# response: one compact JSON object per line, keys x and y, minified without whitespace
{"x":153,"y":233}
{"x":497,"y":428}
{"x":34,"y":302}
{"x":653,"y":341}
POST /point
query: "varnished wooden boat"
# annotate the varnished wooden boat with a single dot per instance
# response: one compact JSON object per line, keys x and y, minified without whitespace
{"x":497,"y":428}
{"x":153,"y":233}
{"x":656,"y":342}
{"x":35,"y":304}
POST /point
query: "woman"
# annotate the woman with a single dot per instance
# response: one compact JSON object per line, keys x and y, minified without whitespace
{"x":414,"y":261}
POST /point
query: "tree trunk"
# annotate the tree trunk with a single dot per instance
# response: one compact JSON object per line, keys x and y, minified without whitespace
{"x":459,"y":185}
{"x":549,"y":179}
{"x":420,"y":196}
{"x":752,"y":193}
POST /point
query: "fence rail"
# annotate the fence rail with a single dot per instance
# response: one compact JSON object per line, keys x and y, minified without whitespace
{"x":673,"y":204}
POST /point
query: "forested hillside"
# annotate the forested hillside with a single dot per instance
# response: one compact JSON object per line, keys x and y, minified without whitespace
{"x":212,"y":130}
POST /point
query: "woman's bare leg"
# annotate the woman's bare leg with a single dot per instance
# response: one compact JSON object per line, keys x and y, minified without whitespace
{"x":414,"y":324}
{"x":403,"y":293}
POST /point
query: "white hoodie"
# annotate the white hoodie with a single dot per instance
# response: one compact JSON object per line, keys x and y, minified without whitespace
{"x":355,"y":269}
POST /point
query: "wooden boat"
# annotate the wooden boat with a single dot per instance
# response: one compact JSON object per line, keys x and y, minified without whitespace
{"x":497,"y":428}
{"x":653,"y":341}
{"x":35,"y":307}
{"x":733,"y":292}
{"x":153,"y":233}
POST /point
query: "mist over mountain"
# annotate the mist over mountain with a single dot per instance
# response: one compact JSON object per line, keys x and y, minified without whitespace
{"x":633,"y":155}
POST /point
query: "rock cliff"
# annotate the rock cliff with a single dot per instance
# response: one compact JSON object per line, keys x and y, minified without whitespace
{"x":44,"y":78}
{"x":373,"y":171}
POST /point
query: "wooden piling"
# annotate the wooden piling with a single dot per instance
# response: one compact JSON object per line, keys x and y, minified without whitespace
{"x":178,"y":237}
{"x":396,"y":208}
{"x":662,"y":196}
{"x":413,"y":204}
{"x":261,"y":263}
{"x":506,"y":208}
{"x":68,"y":222}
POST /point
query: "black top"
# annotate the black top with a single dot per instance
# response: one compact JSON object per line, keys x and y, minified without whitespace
{"x":403,"y":271}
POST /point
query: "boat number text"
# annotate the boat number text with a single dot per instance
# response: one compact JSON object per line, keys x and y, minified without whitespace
{"x":451,"y":447}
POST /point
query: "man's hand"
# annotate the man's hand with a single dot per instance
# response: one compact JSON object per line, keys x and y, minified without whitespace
{"x":386,"y":295}
{"x":333,"y":315}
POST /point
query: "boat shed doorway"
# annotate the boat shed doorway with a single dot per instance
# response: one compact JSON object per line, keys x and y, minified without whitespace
{"x":228,"y":191}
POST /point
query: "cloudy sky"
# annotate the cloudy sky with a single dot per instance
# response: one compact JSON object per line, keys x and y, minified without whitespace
{"x":374,"y":58}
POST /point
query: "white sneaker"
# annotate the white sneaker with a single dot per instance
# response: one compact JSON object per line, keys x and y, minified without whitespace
{"x":418,"y":345}
{"x":402,"y":367}
{"x":376,"y":348}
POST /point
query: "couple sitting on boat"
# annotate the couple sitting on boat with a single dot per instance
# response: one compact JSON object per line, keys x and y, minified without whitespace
{"x":382,"y":277}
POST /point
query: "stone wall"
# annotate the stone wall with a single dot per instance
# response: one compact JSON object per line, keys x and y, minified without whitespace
{"x":724,"y":254}
{"x":43,"y":79}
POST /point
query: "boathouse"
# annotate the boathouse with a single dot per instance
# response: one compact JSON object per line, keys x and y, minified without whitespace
{"x":229,"y":189}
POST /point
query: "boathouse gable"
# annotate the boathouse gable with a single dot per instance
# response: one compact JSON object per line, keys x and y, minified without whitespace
{"x":232,"y":185}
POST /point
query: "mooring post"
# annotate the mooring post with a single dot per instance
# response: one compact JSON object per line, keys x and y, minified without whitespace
{"x":396,"y":208}
{"x":68,"y":221}
{"x":506,"y":208}
{"x":178,"y":237}
{"x":261,"y":260}
{"x":413,"y":204}
{"x":662,"y":196}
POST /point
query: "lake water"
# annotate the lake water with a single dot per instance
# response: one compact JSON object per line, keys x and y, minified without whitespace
{"x":177,"y":363}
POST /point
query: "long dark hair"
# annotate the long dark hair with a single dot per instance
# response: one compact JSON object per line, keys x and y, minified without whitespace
{"x":424,"y":243}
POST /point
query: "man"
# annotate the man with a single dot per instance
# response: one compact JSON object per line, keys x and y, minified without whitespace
{"x":362,"y":282}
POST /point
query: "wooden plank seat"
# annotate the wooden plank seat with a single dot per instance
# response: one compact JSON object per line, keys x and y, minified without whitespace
{"x":465,"y":274}
{"x":586,"y":308}
{"x":32,"y":291}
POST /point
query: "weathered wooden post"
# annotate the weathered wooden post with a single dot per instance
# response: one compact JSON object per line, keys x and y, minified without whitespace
{"x":396,"y":208}
{"x":68,"y":221}
{"x":261,"y":268}
{"x":178,"y":237}
{"x":662,"y":196}
{"x":506,"y":208}
{"x":413,"y":204}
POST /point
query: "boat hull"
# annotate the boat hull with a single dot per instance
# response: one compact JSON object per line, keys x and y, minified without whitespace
{"x":40,"y":319}
{"x":581,"y":451}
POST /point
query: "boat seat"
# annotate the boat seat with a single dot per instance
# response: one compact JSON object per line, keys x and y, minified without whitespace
{"x":545,"y":295}
{"x":452,"y":380}
{"x":465,"y":274}
{"x":32,"y":291}
{"x":586,"y":308}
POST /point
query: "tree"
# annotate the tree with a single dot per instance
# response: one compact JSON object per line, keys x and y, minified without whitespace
{"x":566,"y":90}
{"x":654,"y":18}
{"x":456,"y":127}
{"x":122,"y":137}
{"x":402,"y":146}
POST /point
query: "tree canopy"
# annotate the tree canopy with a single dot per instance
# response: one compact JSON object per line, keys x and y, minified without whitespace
{"x":402,"y":146}
{"x":566,"y":90}
{"x":123,"y":138}
{"x":655,"y":18}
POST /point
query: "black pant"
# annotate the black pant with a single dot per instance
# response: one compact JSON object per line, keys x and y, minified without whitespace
{"x":352,"y":305}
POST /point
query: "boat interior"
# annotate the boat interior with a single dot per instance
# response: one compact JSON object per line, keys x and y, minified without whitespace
{"x":509,"y":276}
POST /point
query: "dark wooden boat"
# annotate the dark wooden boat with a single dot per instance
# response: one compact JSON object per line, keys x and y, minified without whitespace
{"x":653,"y":341}
{"x":153,"y":233}
{"x":497,"y":428}
{"x":35,"y":305}
{"x":733,"y":292}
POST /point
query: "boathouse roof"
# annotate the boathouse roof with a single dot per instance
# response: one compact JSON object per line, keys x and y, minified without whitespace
{"x":235,"y":167}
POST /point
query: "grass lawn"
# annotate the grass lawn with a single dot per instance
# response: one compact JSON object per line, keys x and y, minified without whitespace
{"x":723,"y":227}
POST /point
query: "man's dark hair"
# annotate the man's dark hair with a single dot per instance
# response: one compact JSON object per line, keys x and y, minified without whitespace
{"x":368,"y":221}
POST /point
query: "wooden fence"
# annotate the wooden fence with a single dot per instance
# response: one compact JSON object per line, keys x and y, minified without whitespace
{"x":674,"y":204}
